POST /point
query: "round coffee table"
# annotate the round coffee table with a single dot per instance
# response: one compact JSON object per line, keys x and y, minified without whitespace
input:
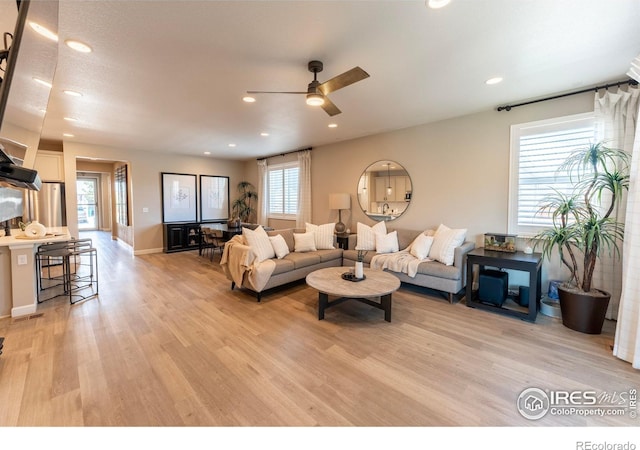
{"x":377,"y":283}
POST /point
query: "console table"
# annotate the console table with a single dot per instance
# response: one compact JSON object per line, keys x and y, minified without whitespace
{"x":531,"y":263}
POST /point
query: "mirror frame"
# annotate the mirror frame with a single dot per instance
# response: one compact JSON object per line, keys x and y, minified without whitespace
{"x":397,"y":201}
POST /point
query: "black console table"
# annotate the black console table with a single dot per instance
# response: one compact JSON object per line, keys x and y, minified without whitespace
{"x":531,"y":263}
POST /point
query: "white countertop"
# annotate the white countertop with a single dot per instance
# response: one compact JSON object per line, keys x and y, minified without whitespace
{"x":18,"y":238}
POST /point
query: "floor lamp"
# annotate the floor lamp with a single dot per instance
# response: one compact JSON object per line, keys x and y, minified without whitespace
{"x":340,"y":202}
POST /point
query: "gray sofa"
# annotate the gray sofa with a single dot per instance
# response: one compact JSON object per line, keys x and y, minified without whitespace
{"x":296,"y":266}
{"x":450,"y":280}
{"x":293,"y":267}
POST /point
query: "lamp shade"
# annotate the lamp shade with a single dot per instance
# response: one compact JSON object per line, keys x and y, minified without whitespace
{"x":339,"y":201}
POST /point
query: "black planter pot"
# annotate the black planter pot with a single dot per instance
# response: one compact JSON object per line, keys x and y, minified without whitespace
{"x":582,"y":312}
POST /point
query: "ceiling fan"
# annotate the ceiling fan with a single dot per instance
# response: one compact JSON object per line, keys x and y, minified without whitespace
{"x":317,"y":92}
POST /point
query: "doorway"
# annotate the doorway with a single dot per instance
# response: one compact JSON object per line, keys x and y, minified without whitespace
{"x":88,"y":195}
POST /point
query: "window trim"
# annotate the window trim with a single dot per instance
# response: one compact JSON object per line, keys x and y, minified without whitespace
{"x":274,"y":167}
{"x":516,"y":132}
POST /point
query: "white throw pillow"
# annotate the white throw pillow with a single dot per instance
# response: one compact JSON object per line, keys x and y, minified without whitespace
{"x":387,"y":243}
{"x":323,"y":235}
{"x":279,"y":246}
{"x":304,"y":242}
{"x":421,"y":245}
{"x":445,"y":242}
{"x":259,"y":242}
{"x":366,"y":235}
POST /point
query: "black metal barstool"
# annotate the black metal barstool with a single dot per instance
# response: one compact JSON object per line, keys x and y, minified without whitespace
{"x":77,"y":260}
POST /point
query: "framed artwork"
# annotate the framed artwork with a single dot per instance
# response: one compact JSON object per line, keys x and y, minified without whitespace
{"x":214,"y":198}
{"x":179,"y":197}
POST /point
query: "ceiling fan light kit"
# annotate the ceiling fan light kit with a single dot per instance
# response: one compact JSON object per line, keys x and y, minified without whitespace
{"x":316,"y":93}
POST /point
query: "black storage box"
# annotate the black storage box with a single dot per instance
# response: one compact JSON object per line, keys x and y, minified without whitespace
{"x":493,"y":286}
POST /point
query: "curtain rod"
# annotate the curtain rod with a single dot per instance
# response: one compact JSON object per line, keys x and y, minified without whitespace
{"x":595,"y":89}
{"x":285,"y":153}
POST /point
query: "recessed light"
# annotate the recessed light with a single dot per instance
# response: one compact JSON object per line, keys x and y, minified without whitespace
{"x":333,"y":125}
{"x":207,"y":153}
{"x":494,"y":80}
{"x":248,"y":99}
{"x":435,"y":4}
{"x":78,"y":46}
{"x":232,"y":145}
{"x":264,"y":134}
{"x":44,"y":31}
{"x":70,"y":119}
{"x":42,"y":82}
{"x":68,"y":135}
{"x":73,"y":93}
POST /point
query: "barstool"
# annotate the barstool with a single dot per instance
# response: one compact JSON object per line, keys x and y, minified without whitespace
{"x":83,"y":274}
{"x":52,"y":255}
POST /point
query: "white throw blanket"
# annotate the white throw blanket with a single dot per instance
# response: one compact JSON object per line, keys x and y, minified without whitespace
{"x":239,"y":264}
{"x":402,"y":261}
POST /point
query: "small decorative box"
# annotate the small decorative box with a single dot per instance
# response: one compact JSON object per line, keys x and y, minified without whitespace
{"x":500,"y":242}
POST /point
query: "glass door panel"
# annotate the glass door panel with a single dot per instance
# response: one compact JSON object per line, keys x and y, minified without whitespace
{"x":87,"y":191}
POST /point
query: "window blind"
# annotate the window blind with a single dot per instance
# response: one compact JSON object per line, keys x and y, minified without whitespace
{"x":283,"y":190}
{"x":539,"y":150}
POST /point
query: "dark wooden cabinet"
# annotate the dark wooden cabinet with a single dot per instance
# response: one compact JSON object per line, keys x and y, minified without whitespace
{"x":179,"y":237}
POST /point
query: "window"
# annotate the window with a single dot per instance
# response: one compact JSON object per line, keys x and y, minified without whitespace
{"x":122,"y":203}
{"x":283,"y":190}
{"x":537,"y":149}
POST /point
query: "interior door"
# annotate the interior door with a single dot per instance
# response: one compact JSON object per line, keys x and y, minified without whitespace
{"x":88,"y":211}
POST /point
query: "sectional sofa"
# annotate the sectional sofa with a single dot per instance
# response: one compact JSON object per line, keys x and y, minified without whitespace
{"x":244,"y":268}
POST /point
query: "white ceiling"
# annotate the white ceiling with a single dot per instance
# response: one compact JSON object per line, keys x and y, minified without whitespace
{"x":169,"y":76}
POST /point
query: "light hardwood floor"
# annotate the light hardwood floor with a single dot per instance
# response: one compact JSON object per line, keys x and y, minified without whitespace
{"x":167,"y":343}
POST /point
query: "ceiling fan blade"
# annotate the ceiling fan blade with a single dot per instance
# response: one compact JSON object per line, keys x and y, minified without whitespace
{"x":329,"y":107}
{"x":338,"y":82}
{"x":275,"y":92}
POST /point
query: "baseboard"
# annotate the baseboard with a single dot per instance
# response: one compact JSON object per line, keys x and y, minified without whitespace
{"x":147,"y":251}
{"x":23,"y":310}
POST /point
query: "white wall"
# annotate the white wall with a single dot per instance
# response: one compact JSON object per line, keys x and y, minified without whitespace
{"x":145,"y":169}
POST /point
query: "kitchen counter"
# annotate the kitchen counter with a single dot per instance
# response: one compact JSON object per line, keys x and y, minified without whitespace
{"x":17,"y":270}
{"x":18,"y":238}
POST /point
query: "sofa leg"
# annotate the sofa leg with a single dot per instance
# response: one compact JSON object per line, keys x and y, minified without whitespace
{"x":233,"y":285}
{"x":451,"y":298}
{"x":259,"y":296}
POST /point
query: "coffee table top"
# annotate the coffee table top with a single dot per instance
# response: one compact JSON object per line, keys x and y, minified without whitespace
{"x":376,"y":283}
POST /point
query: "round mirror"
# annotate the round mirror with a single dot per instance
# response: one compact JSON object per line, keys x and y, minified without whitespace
{"x":384,"y":190}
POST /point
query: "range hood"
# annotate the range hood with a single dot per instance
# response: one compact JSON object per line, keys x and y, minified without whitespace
{"x":13,"y":175}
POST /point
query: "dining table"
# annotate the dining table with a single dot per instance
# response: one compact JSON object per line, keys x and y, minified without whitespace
{"x":227,"y":231}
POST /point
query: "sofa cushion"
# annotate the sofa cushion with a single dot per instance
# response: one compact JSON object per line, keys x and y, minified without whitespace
{"x":366,"y":239}
{"x":406,"y":237}
{"x":329,"y":255}
{"x":279,"y":246}
{"x":304,"y":242}
{"x":421,"y":245}
{"x":323,"y":234}
{"x":300,"y":260}
{"x":283,"y":266}
{"x":259,"y":242}
{"x":387,"y":243}
{"x":352,"y":255}
{"x":287,"y":234}
{"x":445,"y":240}
{"x":437,"y":269}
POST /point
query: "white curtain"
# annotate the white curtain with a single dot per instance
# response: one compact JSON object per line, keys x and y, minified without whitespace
{"x":304,"y":190}
{"x":263,"y":198}
{"x":616,"y":114}
{"x":627,"y":339}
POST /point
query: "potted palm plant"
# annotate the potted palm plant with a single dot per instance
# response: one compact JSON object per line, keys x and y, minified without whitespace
{"x":243,"y":206}
{"x":583,"y":227}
